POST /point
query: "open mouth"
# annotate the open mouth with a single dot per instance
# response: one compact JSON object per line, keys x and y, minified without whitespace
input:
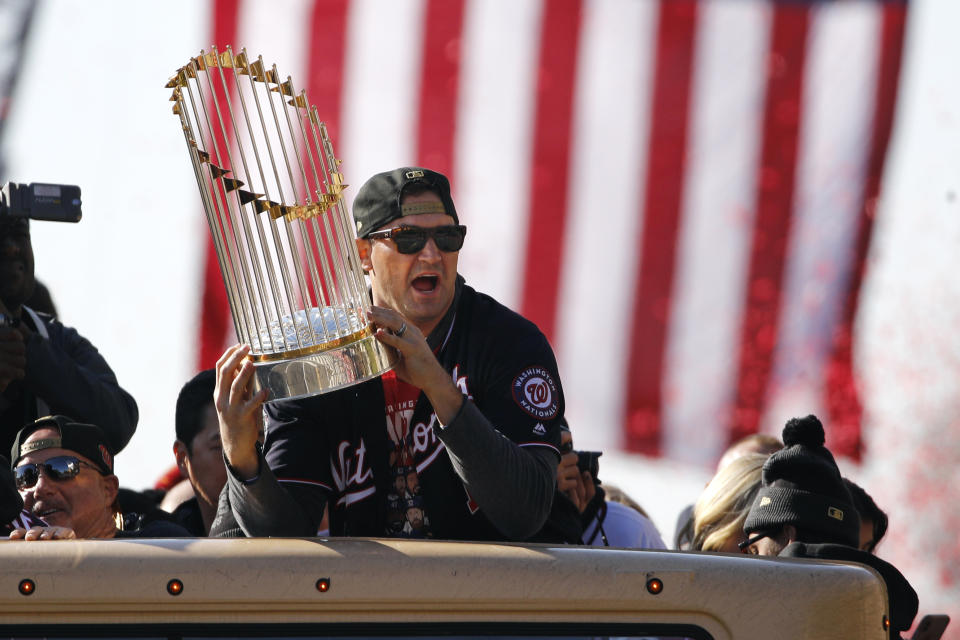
{"x":426,"y":284}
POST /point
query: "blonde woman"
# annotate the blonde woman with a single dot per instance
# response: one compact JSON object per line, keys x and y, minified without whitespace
{"x":722,"y":507}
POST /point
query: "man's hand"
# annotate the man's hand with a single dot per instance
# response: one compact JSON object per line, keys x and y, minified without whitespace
{"x":569,"y":481}
{"x":575,"y":484}
{"x":589,"y":488}
{"x":238,"y":410}
{"x":43,"y":533}
{"x":418,"y":366}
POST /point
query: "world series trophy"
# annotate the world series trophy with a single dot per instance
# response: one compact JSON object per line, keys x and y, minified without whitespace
{"x":273,"y":197}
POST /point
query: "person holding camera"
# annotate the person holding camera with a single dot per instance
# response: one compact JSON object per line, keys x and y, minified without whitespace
{"x":605,"y":523}
{"x":45,"y":367}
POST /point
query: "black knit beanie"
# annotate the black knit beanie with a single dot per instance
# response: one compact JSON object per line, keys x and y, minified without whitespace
{"x":802,"y":486}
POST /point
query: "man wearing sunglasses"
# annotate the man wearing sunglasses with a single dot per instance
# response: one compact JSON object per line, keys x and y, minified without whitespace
{"x":17,"y":522}
{"x":459,"y":441}
{"x":64,"y":473}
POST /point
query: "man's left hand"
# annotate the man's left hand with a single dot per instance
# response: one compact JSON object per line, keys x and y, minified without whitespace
{"x":43,"y":533}
{"x":418,"y":365}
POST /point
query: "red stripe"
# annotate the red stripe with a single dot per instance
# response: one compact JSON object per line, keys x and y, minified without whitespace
{"x":559,"y":38}
{"x":215,"y":323}
{"x":327,"y":53}
{"x":843,"y":398}
{"x":666,"y":155}
{"x":439,"y":84}
{"x":775,"y":188}
{"x":225,"y":16}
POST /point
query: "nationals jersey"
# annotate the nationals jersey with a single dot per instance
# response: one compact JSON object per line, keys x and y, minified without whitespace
{"x":340,"y":442}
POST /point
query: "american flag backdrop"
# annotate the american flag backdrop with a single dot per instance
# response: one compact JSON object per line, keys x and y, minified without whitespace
{"x":679,"y":193}
{"x":723,"y":213}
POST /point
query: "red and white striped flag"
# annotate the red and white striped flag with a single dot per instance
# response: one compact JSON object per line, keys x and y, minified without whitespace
{"x":679,"y":193}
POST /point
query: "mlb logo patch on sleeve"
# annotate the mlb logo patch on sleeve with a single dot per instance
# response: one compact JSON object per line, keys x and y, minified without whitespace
{"x":536,"y":393}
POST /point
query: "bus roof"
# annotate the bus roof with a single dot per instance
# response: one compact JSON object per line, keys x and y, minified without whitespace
{"x":357,"y":580}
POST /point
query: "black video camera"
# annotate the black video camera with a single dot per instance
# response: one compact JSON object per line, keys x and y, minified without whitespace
{"x":589,"y":461}
{"x":37,"y":201}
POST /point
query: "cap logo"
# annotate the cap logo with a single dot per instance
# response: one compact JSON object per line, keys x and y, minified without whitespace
{"x":36,"y":445}
{"x":764,"y":501}
{"x":410,"y":175}
{"x":835,"y":513}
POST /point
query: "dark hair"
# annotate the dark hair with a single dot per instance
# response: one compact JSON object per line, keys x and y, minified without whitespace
{"x":193,"y":399}
{"x":868,"y":510}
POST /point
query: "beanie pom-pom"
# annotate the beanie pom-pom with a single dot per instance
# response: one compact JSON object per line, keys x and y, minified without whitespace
{"x":806,"y":431}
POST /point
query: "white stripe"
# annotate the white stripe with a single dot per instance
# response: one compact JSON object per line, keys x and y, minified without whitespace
{"x":426,"y":462}
{"x":257,"y":28}
{"x":493,"y":143}
{"x":311,"y":483}
{"x":600,"y":253}
{"x":291,"y":17}
{"x":540,"y":444}
{"x":838,"y":100}
{"x":716,"y":227}
{"x":381,"y":87}
{"x":355,"y":496}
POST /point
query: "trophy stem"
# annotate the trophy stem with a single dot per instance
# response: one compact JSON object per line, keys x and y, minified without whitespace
{"x":234,"y":278}
{"x":311,"y":263}
{"x":329,"y":280}
{"x":263,"y":251}
{"x":258,"y":222}
{"x":304,"y":291}
{"x":334,"y":181}
{"x":242,"y":241}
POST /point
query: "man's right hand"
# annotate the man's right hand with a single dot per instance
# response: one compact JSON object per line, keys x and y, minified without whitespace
{"x":569,"y":481}
{"x":577,"y":485}
{"x":238,"y":410}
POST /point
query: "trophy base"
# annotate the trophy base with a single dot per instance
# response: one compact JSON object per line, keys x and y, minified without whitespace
{"x":324,"y":371}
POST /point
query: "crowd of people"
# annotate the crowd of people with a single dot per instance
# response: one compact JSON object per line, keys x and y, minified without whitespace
{"x":464,"y":439}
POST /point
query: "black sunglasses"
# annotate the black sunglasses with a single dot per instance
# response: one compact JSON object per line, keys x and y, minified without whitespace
{"x":413,"y":239}
{"x":60,"y":468}
{"x":746,"y":544}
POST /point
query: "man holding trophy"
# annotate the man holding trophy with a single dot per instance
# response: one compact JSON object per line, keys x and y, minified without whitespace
{"x":459,"y":441}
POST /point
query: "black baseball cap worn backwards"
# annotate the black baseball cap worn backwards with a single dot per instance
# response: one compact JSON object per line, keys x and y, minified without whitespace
{"x":378,"y":201}
{"x":801,"y":486}
{"x":86,"y":439}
